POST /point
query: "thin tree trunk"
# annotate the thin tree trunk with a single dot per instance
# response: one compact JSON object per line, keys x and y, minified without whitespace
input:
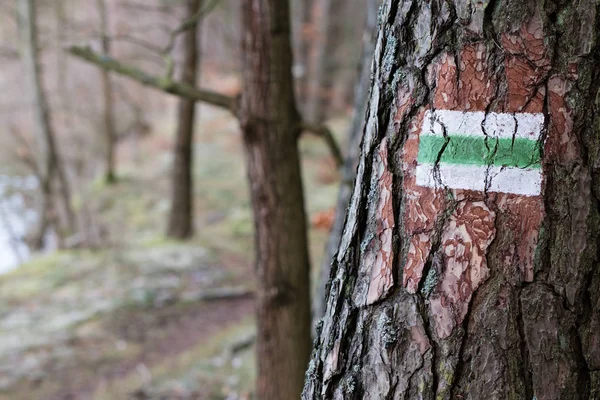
{"x":468,"y":265}
{"x":108,"y":118}
{"x":270,"y":125}
{"x":181,"y":218}
{"x":304,"y":40}
{"x":361,"y":97}
{"x":49,"y":161}
{"x":325,"y":62}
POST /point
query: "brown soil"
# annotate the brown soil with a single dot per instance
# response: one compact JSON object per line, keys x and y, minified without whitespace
{"x":180,"y":328}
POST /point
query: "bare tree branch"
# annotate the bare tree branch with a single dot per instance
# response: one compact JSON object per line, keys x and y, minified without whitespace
{"x":138,"y":6}
{"x":164,"y":84}
{"x":324,"y":132}
{"x":185,"y":26}
{"x":189,"y":24}
{"x":138,"y":42}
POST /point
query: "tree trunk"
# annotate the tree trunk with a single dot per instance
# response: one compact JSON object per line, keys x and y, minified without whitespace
{"x":270,"y":125}
{"x":469,"y":263}
{"x":181,"y":218}
{"x":361,"y":98}
{"x":49,"y":163}
{"x":325,"y":62}
{"x":304,"y":38}
{"x":108,"y":118}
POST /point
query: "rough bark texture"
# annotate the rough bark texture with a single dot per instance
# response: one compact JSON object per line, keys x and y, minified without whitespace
{"x":108,"y":118}
{"x":271,"y":126}
{"x":361,"y":98}
{"x":456,"y":294}
{"x":49,"y":164}
{"x":181,"y":217}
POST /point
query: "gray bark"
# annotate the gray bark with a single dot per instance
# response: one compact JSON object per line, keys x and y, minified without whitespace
{"x":361,"y":97}
{"x":440,"y":293}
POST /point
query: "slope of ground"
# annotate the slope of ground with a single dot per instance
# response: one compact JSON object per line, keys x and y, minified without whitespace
{"x":144,"y":317}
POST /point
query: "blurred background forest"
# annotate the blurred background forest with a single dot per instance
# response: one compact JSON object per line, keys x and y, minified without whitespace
{"x":108,"y":289}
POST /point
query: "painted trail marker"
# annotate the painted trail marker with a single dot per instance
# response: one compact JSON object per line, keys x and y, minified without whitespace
{"x":500,"y":152}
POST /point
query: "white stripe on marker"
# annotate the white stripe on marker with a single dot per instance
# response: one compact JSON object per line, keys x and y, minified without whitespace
{"x":522,"y":181}
{"x":497,"y":125}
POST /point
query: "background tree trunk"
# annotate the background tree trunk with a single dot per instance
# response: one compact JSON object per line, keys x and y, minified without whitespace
{"x":303,"y":33}
{"x":108,"y":117}
{"x":361,"y":98}
{"x":271,"y":127}
{"x":324,"y":62}
{"x":443,"y":293}
{"x":49,"y":163}
{"x":181,"y":218}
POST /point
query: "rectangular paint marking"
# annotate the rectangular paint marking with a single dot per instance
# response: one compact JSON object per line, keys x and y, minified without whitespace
{"x":499,"y":150}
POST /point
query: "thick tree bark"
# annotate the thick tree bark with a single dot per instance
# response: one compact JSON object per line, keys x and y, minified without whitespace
{"x":271,"y":127}
{"x":108,"y":114}
{"x":449,"y":285}
{"x":324,"y":61}
{"x":361,"y":98}
{"x":181,"y":218}
{"x":49,"y":163}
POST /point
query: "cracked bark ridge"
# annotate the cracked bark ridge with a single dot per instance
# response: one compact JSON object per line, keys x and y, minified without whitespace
{"x":494,"y":295}
{"x":376,"y":278}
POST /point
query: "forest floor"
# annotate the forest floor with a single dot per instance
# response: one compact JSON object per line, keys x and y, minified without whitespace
{"x":143,"y":317}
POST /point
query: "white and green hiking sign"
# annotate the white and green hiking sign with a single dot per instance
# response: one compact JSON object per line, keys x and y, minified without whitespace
{"x":497,"y":152}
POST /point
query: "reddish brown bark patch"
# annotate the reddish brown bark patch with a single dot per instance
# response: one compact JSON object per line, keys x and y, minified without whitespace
{"x":465,"y":240}
{"x":379,"y":252}
{"x":526,"y":63}
{"x":523,"y":217}
{"x":476,"y":87}
{"x":422,"y":208}
{"x":562,"y":146}
{"x":418,"y":251}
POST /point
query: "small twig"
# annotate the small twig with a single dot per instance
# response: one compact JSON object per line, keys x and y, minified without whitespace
{"x":242,"y":344}
{"x":136,"y":41}
{"x":325,"y":133}
{"x":188,"y":24}
{"x":224,"y":293}
{"x":144,"y":7}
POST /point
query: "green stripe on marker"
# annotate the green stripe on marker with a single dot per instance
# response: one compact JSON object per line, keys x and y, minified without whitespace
{"x":477,"y":150}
